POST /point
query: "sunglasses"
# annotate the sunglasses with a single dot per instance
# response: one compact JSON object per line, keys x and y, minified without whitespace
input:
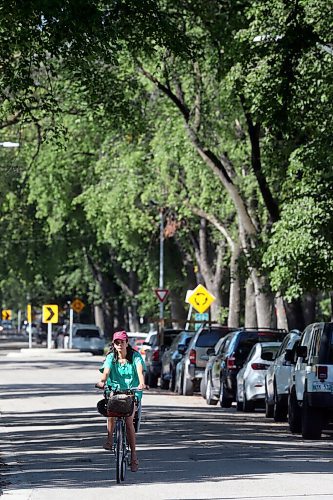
{"x":118,"y":342}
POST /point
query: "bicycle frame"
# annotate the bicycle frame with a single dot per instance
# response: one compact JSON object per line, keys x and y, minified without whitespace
{"x":121,"y":448}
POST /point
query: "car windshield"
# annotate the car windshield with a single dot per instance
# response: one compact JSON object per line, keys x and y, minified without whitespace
{"x":208,"y":338}
{"x":86,"y":333}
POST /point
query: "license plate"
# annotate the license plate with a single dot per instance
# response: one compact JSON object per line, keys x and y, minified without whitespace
{"x":322,"y":386}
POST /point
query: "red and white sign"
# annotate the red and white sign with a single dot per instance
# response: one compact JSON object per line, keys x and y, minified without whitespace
{"x":161,"y":294}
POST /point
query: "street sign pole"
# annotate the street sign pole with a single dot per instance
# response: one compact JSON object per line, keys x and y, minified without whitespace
{"x":49,"y":335}
{"x":19,"y":321}
{"x":161,"y":280}
{"x":187,"y":326}
{"x":29,"y":318}
{"x":70,"y":343}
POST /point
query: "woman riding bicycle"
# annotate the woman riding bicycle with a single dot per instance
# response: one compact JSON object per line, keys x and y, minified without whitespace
{"x":123,"y":369}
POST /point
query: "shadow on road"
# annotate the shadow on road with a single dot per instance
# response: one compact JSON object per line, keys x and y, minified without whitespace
{"x":62,"y":448}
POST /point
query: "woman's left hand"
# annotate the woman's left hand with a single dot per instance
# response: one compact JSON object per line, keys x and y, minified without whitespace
{"x":142,"y":386}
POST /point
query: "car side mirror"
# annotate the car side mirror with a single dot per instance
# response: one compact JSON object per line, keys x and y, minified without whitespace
{"x":181,"y":349}
{"x":211,"y":351}
{"x":289,"y":356}
{"x":267,"y":356}
{"x":302,"y":351}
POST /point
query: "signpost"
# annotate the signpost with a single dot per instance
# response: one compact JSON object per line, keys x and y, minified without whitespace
{"x":201,"y":299}
{"x":6,"y":314}
{"x":50,"y":315}
{"x":200,"y":318}
{"x":161,"y":293}
{"x":29,"y":319}
{"x":77,"y":305}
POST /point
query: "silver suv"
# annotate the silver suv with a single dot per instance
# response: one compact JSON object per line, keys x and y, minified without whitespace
{"x":310,"y":404}
{"x":194,"y":361}
{"x":278,"y":378}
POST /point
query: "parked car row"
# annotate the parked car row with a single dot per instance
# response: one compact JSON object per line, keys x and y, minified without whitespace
{"x":288,"y":374}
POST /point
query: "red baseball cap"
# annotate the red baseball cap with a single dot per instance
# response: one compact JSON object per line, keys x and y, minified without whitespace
{"x":120,"y":335}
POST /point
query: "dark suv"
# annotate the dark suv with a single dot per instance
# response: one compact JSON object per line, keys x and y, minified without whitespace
{"x":154,"y":354}
{"x":231,"y":357}
{"x":171,"y":358}
{"x":194,"y":362}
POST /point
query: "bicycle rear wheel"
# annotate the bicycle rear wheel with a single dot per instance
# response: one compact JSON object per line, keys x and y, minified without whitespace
{"x":119,"y":450}
{"x":124,"y":460}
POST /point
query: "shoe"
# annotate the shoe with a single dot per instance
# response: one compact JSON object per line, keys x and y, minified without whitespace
{"x":108,"y":445}
{"x":134,"y":465}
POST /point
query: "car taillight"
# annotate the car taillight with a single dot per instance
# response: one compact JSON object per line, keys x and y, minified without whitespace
{"x":192,"y":356}
{"x":259,"y":366}
{"x":321,"y":372}
{"x":231,"y":363}
{"x":156,"y":355}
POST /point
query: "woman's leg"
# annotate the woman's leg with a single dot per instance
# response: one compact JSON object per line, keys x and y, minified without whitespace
{"x":132,"y":441}
{"x":110,"y":424}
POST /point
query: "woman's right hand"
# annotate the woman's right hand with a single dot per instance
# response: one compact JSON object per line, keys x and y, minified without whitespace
{"x":100,"y":385}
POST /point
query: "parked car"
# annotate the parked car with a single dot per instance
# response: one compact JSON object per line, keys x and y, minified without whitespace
{"x":214,"y":354}
{"x":230,"y":360}
{"x":251,"y":377}
{"x":310,"y":403}
{"x":278,"y":378}
{"x":154,"y":354}
{"x":88,"y":338}
{"x":196,"y":357}
{"x":171,"y":358}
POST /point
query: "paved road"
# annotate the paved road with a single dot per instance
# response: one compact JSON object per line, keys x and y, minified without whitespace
{"x":52,"y":436}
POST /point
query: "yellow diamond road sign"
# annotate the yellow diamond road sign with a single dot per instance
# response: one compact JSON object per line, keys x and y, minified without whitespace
{"x":201,"y":299}
{"x":50,"y":313}
{"x":77,"y":305}
{"x":6,"y":314}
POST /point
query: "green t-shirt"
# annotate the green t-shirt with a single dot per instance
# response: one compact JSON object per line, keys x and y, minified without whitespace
{"x":123,"y":376}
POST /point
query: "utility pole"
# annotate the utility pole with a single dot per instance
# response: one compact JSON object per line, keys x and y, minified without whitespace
{"x":161,"y":280}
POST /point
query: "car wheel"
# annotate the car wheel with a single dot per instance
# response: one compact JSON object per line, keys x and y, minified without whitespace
{"x":203,"y":387}
{"x":210,"y":399}
{"x":173,"y":381}
{"x":225,"y":402}
{"x":248,"y":406}
{"x":312,"y":420}
{"x":187,"y":386}
{"x":179,"y":384}
{"x":269,"y":409}
{"x":294,"y":413}
{"x":239,"y":404}
{"x":279,"y":410}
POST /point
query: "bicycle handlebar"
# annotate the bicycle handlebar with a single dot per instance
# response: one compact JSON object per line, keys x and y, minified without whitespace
{"x":133,"y":389}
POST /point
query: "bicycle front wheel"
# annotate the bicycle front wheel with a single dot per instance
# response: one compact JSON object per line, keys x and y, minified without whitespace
{"x":119,"y":450}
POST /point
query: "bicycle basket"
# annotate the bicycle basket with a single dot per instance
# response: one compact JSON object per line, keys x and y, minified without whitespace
{"x":101,"y":407}
{"x":120,"y":405}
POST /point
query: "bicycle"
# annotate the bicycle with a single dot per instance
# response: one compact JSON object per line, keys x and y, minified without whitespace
{"x":121,"y":447}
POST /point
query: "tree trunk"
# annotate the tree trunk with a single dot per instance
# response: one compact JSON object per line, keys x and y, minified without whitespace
{"x":295,"y":315}
{"x":234,"y":293}
{"x":178,"y":313}
{"x":281,"y":316}
{"x":133,"y":318}
{"x":250,"y":305}
{"x":107,"y":290}
{"x":98,"y":315}
{"x":264,"y":301}
{"x":210,"y":267}
{"x":309,"y":308}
